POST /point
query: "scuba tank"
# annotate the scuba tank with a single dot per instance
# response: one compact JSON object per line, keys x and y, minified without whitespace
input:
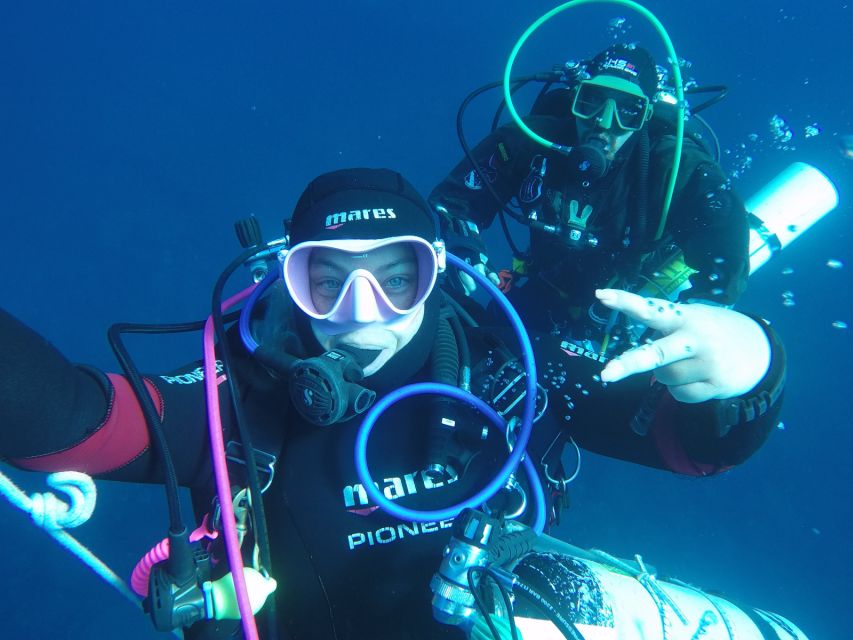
{"x":779,"y":213}
{"x":496,"y":572}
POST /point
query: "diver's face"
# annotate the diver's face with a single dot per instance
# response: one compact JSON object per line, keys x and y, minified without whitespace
{"x":613,"y":137}
{"x":609,"y":110}
{"x":394,"y":268}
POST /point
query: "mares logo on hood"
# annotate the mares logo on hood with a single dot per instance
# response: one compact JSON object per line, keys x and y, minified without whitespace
{"x":360,"y":204}
{"x":337,"y":220}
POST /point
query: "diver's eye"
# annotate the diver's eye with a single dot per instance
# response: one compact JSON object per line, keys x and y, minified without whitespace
{"x":396,"y":283}
{"x":327,"y":286}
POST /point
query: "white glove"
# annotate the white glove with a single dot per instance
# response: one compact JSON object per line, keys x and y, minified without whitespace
{"x":704,"y":353}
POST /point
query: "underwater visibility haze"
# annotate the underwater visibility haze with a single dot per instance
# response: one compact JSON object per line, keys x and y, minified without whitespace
{"x":135,"y":134}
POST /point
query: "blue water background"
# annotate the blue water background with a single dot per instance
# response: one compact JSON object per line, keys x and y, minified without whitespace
{"x":134,"y":134}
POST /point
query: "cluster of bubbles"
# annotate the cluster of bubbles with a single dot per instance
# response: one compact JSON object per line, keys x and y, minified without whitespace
{"x":687,"y":80}
{"x":741,"y":157}
{"x":788,"y":296}
{"x":740,"y":161}
{"x":784,"y":16}
{"x":617,"y":28}
{"x":781,"y":134}
{"x":781,"y":138}
{"x":812,"y":130}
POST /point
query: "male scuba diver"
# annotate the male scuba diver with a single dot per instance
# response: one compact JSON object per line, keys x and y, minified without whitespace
{"x":359,"y":315}
{"x":594,"y":212}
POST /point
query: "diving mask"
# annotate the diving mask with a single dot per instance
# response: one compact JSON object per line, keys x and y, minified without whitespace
{"x":608,"y":98}
{"x":350,"y":283}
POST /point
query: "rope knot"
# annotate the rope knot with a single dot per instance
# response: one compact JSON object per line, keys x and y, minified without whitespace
{"x":50,"y":512}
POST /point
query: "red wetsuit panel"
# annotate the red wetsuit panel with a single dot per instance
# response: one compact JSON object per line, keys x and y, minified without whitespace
{"x":121,"y":437}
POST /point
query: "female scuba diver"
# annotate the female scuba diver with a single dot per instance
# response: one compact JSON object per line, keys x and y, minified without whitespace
{"x":355,"y":314}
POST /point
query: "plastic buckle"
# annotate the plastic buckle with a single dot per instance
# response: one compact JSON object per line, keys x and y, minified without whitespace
{"x":440,"y":254}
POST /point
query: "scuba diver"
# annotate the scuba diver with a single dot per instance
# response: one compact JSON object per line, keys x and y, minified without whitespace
{"x":592,"y":212}
{"x":357,"y":311}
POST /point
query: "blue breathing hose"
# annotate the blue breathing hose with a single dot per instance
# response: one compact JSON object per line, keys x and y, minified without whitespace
{"x":517,"y":454}
{"x":246,"y":315}
{"x":495,"y":485}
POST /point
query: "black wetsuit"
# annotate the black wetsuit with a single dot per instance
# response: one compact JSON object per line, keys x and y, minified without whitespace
{"x":707,"y":221}
{"x":345,"y":569}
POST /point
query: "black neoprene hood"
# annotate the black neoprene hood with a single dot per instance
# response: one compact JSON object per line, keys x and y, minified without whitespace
{"x":628,"y":62}
{"x":361,"y":204}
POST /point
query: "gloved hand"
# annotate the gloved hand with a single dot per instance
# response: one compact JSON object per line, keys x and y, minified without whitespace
{"x":704,"y":352}
{"x":480,"y":262}
{"x":481,"y":630}
{"x":463,"y":240}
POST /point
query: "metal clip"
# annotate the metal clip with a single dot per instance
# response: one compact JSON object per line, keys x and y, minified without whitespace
{"x":264,"y":462}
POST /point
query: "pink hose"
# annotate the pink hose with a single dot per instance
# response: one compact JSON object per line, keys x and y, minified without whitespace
{"x":160,"y":553}
{"x":142,"y":571}
{"x":220,"y":469}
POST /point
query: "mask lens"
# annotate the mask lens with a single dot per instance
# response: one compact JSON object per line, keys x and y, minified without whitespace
{"x":630,"y":110}
{"x":591,"y":99}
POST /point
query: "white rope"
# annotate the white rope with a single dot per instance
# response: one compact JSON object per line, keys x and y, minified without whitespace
{"x":50,"y":512}
{"x":53,"y":515}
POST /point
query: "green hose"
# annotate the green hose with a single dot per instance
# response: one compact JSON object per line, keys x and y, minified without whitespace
{"x":676,"y":74}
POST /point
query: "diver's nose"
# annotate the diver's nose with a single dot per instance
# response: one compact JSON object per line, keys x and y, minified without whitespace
{"x":363,"y":299}
{"x":604,"y":120}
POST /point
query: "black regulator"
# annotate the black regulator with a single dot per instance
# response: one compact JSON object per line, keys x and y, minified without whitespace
{"x":325,"y":389}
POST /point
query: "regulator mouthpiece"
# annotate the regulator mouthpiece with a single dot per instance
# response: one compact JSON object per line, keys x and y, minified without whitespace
{"x":591,"y":159}
{"x":324,"y":389}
